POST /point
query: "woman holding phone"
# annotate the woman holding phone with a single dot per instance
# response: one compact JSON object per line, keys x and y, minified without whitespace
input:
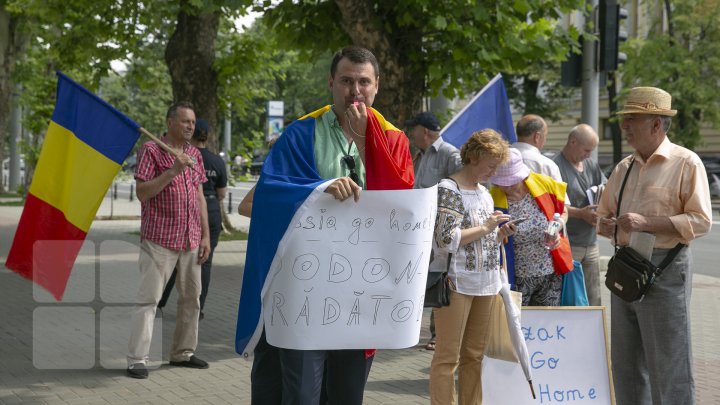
{"x":467,"y":228}
{"x":534,"y":197}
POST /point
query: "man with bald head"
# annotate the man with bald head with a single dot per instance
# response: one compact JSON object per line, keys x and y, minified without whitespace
{"x":580,"y":173}
{"x":532,"y":133}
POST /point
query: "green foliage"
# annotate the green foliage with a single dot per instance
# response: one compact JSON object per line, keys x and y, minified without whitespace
{"x":253,"y":70}
{"x":233,"y":235}
{"x":457,"y":45}
{"x":681,"y":62}
{"x":77,"y":37}
{"x":143,"y":92}
{"x":539,"y":91}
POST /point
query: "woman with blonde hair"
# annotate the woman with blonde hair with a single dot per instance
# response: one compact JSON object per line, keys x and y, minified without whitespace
{"x":466,"y":228}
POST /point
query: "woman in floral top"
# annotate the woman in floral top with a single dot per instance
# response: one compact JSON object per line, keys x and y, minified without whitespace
{"x":536,"y":198}
{"x":467,"y":227}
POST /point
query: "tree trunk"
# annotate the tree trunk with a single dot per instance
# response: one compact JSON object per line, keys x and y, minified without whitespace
{"x":402,"y":83}
{"x":12,"y":43}
{"x":190,"y":55}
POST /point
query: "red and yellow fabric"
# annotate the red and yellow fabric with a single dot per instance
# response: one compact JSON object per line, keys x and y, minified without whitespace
{"x":85,"y":145}
{"x":550,"y":197}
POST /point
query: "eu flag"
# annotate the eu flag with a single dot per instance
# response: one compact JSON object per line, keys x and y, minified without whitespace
{"x":489,"y":108}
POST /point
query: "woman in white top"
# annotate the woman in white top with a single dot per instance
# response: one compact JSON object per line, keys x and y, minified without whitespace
{"x":467,"y":227}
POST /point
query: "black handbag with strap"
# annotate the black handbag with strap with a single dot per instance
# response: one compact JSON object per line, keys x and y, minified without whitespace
{"x":629,"y":274}
{"x":437,"y":290}
{"x":437,"y":293}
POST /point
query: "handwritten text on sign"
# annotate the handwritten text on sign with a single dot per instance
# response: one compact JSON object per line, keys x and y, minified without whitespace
{"x":352,"y":275}
{"x":568,"y":358}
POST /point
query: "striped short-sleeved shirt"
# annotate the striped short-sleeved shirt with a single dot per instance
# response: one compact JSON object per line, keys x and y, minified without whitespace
{"x":171,"y":218}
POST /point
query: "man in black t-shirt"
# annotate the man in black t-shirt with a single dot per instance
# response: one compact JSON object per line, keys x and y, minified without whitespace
{"x":214,"y":190}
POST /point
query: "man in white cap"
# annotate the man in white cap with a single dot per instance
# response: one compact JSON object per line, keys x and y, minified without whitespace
{"x":666,"y":194}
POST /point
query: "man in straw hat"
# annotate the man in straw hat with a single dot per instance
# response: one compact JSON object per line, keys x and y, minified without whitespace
{"x":666,"y":195}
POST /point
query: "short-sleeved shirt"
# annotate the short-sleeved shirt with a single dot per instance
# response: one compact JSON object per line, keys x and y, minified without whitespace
{"x":580,"y":232}
{"x":331,"y":145}
{"x":474,"y":267}
{"x":216,"y":177}
{"x":171,"y":219}
{"x":440,"y":160}
{"x":672,"y":183}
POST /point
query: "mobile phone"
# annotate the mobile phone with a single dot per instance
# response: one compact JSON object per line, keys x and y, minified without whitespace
{"x":517,"y":221}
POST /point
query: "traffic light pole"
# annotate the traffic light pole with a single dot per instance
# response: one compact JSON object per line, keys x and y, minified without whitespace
{"x":614,"y":126}
{"x":590,"y":75}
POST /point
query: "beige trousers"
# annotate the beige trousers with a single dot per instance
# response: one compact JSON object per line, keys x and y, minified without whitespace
{"x":462,"y":332}
{"x":156,"y":266}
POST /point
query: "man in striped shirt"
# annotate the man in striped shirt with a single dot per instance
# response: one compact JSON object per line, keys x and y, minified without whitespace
{"x":174,"y":233}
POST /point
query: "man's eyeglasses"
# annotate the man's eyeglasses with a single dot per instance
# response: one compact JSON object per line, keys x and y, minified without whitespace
{"x":350,"y":164}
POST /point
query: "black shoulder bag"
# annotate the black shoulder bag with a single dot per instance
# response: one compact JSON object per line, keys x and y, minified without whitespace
{"x":629,"y":274}
{"x":437,"y":291}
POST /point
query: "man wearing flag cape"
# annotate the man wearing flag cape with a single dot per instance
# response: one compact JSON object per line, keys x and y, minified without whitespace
{"x":339,"y":149}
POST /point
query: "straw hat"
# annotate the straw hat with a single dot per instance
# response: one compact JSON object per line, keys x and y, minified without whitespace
{"x":512,"y":172}
{"x":648,"y":100}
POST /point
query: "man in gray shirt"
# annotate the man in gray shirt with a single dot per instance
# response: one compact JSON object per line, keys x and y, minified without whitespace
{"x":436,"y":160}
{"x":581,"y":173}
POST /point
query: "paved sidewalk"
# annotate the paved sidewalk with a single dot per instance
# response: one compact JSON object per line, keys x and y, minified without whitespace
{"x":73,"y":352}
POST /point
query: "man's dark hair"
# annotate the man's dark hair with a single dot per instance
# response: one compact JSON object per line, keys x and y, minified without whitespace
{"x":202,"y":130}
{"x":357,"y":55}
{"x":528,"y":125}
{"x":172,"y":111}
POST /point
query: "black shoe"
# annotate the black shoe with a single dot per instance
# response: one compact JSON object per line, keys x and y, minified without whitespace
{"x":137,"y":370}
{"x":193,"y":362}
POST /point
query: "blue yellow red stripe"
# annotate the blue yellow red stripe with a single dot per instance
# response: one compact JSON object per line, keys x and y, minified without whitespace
{"x":86,"y":143}
{"x":72,"y":176}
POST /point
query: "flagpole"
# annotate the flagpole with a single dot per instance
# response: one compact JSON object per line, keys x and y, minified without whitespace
{"x":160,"y":143}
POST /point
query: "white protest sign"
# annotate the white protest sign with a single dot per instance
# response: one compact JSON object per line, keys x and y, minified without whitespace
{"x":568,"y":357}
{"x":352,"y":275}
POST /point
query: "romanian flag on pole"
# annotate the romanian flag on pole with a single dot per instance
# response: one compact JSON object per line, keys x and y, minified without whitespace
{"x":86,"y":143}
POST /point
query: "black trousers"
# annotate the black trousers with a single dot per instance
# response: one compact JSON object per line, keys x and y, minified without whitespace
{"x":215,"y":223}
{"x":265,"y":376}
{"x":336,"y":376}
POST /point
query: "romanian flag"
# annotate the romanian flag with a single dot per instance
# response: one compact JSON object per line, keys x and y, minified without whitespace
{"x":290,"y":179}
{"x":86,"y":143}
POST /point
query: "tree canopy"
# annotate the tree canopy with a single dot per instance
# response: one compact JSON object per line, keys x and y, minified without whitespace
{"x":426,"y":46}
{"x":191,"y":49}
{"x":681,"y":59}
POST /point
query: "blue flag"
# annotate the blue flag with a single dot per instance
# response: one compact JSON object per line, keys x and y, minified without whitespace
{"x":489,"y":108}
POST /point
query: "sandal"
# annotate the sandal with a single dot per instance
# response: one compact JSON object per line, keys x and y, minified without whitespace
{"x":430,"y":345}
